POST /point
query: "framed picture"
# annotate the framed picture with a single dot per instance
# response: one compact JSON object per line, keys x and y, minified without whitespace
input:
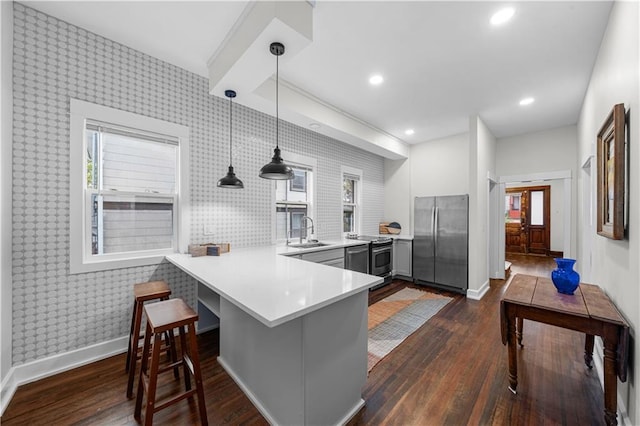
{"x":299,"y":181}
{"x":611,"y":174}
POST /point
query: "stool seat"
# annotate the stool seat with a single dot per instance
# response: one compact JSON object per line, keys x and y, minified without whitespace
{"x":169,"y":314}
{"x":144,"y":292}
{"x":163,"y":317}
{"x":151,"y":290}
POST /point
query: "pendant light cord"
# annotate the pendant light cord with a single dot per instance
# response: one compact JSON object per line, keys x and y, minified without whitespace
{"x":277,"y":103}
{"x":230,"y":132}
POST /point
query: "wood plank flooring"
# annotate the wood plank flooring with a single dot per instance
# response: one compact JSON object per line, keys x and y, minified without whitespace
{"x":452,"y":371}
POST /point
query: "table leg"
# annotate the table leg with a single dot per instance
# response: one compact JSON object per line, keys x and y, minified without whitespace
{"x":588,"y":350}
{"x":511,"y":345}
{"x":610,"y":378}
{"x":519,"y":324}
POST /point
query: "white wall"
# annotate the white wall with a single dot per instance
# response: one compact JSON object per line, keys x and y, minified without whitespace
{"x":6,"y":37}
{"x":615,"y":79}
{"x":482,"y":154}
{"x":545,"y":151}
{"x":552,"y":150}
{"x":397,"y":193}
{"x":427,"y":172}
{"x":545,"y":154}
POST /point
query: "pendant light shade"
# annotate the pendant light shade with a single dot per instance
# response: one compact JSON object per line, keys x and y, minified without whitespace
{"x":277,"y":168}
{"x":230,"y":180}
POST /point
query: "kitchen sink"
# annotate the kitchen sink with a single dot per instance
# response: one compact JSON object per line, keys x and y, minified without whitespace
{"x":309,"y":245}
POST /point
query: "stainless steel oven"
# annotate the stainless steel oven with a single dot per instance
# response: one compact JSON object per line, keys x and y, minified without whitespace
{"x":381,"y":257}
{"x":356,"y":258}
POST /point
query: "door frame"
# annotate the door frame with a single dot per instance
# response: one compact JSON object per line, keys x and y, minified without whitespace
{"x":547,"y":212}
{"x":498,"y":251}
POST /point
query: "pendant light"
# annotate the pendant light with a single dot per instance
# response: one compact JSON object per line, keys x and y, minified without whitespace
{"x":230,"y":180}
{"x":277,"y":168}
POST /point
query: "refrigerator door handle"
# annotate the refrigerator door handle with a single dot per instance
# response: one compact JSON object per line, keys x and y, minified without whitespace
{"x":435,"y":226}
{"x":433,"y":220}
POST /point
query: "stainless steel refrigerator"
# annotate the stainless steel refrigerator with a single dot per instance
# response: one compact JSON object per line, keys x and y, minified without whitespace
{"x":441,"y":242}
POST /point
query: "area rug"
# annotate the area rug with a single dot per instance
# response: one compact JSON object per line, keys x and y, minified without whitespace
{"x":393,"y":319}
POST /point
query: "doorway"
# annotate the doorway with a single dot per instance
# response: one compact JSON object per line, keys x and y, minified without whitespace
{"x":527,"y":220}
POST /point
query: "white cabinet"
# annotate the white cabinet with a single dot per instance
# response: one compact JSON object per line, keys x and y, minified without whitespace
{"x":402,"y":258}
{"x":331,"y":257}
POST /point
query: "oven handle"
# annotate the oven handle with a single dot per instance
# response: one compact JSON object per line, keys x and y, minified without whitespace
{"x":378,"y":250}
{"x":357,"y":251}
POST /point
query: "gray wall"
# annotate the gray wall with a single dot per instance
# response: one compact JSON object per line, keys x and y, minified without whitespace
{"x":55,"y":312}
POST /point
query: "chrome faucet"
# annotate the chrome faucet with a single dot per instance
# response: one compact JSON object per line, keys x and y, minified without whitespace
{"x":302,"y":219}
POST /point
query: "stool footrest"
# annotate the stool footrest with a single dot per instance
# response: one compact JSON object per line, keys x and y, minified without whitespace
{"x":171,"y":367}
{"x":164,"y":404}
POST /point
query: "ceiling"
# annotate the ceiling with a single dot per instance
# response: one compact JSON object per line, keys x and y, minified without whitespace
{"x":442,"y":62}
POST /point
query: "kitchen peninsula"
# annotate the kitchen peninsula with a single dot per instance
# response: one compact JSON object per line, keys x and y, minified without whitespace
{"x":293,"y":334}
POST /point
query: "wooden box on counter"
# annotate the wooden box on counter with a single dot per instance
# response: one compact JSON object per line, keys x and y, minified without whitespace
{"x":209,"y":249}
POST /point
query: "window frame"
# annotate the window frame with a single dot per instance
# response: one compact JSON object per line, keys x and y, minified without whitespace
{"x":351,"y":171}
{"x":301,"y":161}
{"x":80,"y":236}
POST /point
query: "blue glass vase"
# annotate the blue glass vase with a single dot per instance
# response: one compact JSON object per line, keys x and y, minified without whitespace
{"x":564,"y":277}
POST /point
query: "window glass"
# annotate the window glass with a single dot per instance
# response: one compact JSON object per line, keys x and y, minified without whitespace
{"x":537,"y":207}
{"x":512,"y":207}
{"x":124,"y":173}
{"x":350,"y":202}
{"x":293,"y":202}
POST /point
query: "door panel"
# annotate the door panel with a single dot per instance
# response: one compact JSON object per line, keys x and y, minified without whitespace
{"x":512,"y":238}
{"x":423,"y":243}
{"x":452,"y":241}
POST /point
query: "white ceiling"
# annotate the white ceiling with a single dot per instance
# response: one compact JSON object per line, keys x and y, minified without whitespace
{"x":442,"y":61}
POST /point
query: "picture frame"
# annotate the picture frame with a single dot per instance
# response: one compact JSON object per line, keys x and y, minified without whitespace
{"x":299,"y":181}
{"x":610,"y":152}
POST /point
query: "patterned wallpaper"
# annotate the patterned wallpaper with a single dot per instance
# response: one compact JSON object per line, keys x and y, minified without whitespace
{"x":55,"y":312}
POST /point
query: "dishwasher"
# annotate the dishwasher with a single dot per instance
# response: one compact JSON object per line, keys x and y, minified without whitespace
{"x":356,"y":258}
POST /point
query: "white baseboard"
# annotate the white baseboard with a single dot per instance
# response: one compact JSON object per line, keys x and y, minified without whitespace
{"x":354,"y":410}
{"x":247,"y":392}
{"x":478,"y":294}
{"x":35,"y":370}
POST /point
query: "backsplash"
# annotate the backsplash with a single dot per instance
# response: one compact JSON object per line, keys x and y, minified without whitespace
{"x":55,"y":312}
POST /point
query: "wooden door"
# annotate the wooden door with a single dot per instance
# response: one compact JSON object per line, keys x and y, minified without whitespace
{"x":527,"y":216}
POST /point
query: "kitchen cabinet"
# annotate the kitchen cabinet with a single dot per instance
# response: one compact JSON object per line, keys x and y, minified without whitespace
{"x":331,"y":257}
{"x":402,"y":258}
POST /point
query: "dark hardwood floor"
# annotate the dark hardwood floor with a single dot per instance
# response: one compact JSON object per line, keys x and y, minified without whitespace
{"x":452,"y":371}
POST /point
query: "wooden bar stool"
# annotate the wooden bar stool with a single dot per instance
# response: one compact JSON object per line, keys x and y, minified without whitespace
{"x":144,"y":292}
{"x":164,"y":317}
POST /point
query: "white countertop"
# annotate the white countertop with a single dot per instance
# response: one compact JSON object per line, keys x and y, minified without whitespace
{"x":275,"y":289}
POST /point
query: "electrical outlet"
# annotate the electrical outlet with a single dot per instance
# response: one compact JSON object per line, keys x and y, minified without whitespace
{"x":208,"y":230}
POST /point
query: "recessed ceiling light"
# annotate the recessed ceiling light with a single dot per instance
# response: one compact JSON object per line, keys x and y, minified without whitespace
{"x":409,"y":132}
{"x":314,"y":125}
{"x":526,"y":101}
{"x":376,"y":79}
{"x":502,"y":16}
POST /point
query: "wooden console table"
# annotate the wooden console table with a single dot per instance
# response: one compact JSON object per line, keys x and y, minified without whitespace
{"x":588,"y":310}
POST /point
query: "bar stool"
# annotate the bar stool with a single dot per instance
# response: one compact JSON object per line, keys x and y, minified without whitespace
{"x":164,"y":317}
{"x":144,"y":292}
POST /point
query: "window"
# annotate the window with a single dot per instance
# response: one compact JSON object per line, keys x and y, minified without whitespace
{"x":351,"y":196}
{"x":512,"y":207}
{"x":292,"y":204}
{"x":129,"y":197}
{"x":294,"y":200}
